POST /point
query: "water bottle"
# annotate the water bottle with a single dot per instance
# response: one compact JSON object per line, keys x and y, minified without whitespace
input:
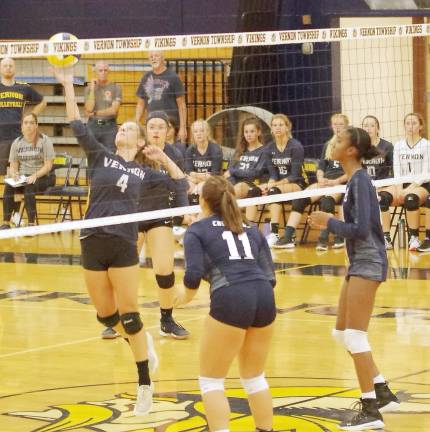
{"x":402,"y":233}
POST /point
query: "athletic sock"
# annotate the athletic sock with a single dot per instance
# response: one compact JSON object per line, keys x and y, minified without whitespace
{"x":166,"y":313}
{"x":369,"y":395}
{"x":143,"y":372}
{"x":379,"y":379}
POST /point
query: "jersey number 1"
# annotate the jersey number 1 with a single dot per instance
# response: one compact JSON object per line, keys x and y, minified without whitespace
{"x":232,"y":247}
{"x":122,"y":182}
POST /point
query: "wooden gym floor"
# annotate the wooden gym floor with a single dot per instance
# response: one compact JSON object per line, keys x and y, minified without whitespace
{"x":57,"y":374}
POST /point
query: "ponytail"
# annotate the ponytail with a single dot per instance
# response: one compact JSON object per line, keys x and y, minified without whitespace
{"x":230,"y":213}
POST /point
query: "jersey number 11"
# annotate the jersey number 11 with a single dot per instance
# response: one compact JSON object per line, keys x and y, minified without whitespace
{"x":232,"y":247}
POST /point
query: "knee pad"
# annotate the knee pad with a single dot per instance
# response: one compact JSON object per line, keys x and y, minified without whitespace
{"x":427,"y":203}
{"x":327,"y":204}
{"x":274,"y":191}
{"x":193,"y":199}
{"x":254,"y":385}
{"x":385,"y":200}
{"x":131,"y":322}
{"x":339,"y":337}
{"x":165,"y":282}
{"x":254,"y":192}
{"x":356,"y":341}
{"x":412,"y":202}
{"x":299,"y":205}
{"x":109,"y":321}
{"x":211,"y":384}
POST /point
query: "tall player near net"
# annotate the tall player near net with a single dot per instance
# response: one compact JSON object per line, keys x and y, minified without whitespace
{"x":236,"y":261}
{"x":109,"y":253}
{"x":368,"y":268}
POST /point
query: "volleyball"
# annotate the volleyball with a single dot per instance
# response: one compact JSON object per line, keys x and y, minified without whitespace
{"x":63,"y":42}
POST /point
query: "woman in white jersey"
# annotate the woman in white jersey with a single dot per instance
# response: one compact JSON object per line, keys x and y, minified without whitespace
{"x":412,"y":157}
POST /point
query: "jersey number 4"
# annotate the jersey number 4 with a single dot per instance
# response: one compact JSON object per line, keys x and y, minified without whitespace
{"x":122,"y":182}
{"x":232,"y":246}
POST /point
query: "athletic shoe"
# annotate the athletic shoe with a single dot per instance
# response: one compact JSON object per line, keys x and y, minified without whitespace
{"x":110,"y":333}
{"x":285,"y":243}
{"x":322,"y":245}
{"x":424,"y":246}
{"x":152,"y":354}
{"x":271,"y":239}
{"x":4,"y":226}
{"x":368,"y":417}
{"x":386,"y":400}
{"x":388,"y":242}
{"x":178,"y":232}
{"x":169,"y":327}
{"x":143,"y":400}
{"x":339,"y":242}
{"x":414,"y":243}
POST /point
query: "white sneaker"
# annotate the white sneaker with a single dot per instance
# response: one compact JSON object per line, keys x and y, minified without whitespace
{"x":152,"y":355}
{"x":143,"y":400}
{"x":271,"y":239}
{"x":15,"y":219}
{"x":414,"y":243}
{"x":178,"y":232}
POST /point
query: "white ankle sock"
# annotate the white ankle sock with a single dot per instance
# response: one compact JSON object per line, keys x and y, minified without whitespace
{"x":379,"y":379}
{"x":368,"y":395}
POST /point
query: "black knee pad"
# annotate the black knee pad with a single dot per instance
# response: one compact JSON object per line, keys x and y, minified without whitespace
{"x":412,"y":202}
{"x":385,"y":200}
{"x":193,"y":199}
{"x":131,"y":322}
{"x":427,"y":203}
{"x":274,"y":191}
{"x":165,"y":282}
{"x":254,"y":192}
{"x":109,"y":321}
{"x":299,"y":205}
{"x":327,"y":204}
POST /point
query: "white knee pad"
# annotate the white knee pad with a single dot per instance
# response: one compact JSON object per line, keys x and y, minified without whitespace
{"x":356,"y":341}
{"x":211,"y":384}
{"x":339,"y":337}
{"x":254,"y":385}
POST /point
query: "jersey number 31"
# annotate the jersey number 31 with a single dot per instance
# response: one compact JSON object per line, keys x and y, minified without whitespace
{"x":232,"y":247}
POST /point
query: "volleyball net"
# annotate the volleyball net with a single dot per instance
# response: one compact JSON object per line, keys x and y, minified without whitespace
{"x":306,"y":74}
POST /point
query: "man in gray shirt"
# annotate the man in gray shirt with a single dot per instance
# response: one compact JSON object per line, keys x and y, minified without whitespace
{"x":102,"y":101}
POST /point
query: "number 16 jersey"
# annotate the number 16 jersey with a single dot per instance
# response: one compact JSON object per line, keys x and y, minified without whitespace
{"x":214,"y":253}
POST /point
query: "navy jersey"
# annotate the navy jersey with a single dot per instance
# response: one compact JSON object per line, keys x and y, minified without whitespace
{"x":250,"y":166}
{"x":165,"y":192}
{"x":287,"y":164}
{"x":381,"y":166}
{"x":115,"y":185}
{"x":224,"y":259}
{"x":362,"y":227}
{"x":12,"y":102}
{"x":210,"y":162}
{"x":332,"y":169}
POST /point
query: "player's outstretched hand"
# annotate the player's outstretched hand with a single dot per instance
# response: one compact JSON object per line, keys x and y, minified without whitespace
{"x":155,"y":154}
{"x":319,"y":219}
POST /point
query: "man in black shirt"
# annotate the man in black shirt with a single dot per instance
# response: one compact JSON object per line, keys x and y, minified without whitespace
{"x":14,"y":96}
{"x":162,"y":90}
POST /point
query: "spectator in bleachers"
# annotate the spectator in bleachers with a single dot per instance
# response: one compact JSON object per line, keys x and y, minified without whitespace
{"x":31,"y":155}
{"x":378,"y":168}
{"x":102,"y":102}
{"x":284,"y":156}
{"x":248,"y":172}
{"x":411,"y":157}
{"x":202,"y":158}
{"x":161,"y":89}
{"x":329,"y":173}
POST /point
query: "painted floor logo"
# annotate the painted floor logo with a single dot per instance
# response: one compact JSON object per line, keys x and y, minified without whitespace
{"x":296,"y":408}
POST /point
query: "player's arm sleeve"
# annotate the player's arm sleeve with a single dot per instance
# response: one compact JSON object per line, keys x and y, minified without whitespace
{"x":194,"y":261}
{"x":189,"y":160}
{"x":265,"y":260}
{"x":297,"y":159}
{"x":389,"y":161}
{"x":396,"y":160}
{"x":86,"y":139}
{"x":273,"y":172}
{"x":361,"y":198}
{"x":216,"y":160}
